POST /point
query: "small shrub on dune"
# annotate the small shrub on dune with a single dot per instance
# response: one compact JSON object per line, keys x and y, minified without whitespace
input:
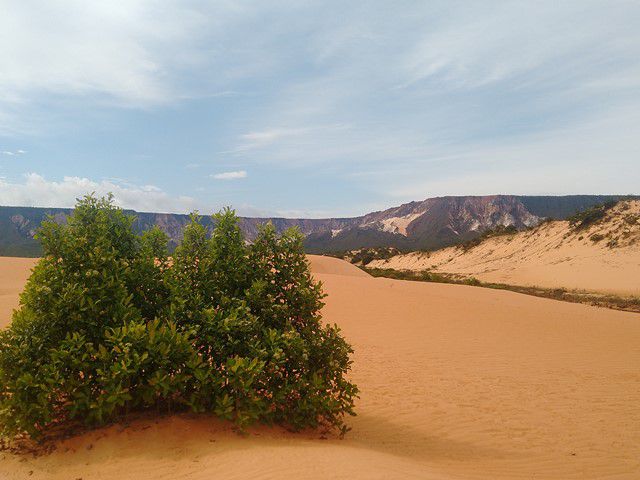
{"x":591,"y":216}
{"x":109,"y":324}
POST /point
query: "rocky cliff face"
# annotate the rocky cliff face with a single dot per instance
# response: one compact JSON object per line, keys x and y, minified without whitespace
{"x":431,"y":223}
{"x":427,"y":224}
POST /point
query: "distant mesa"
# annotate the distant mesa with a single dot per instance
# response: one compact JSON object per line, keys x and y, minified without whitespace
{"x":428,"y":224}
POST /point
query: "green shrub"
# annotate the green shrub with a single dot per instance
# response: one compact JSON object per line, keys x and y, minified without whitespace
{"x":498,"y":231}
{"x":591,"y":215}
{"x":365,"y":256}
{"x":109,"y":324}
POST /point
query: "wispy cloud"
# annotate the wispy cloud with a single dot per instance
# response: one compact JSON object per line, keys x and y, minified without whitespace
{"x":283,"y":144}
{"x":254,"y":140}
{"x":12,"y":153}
{"x":454,"y":91}
{"x":230,"y":175}
{"x":540,"y":163}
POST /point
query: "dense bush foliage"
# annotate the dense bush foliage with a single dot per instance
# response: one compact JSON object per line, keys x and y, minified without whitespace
{"x":109,"y":324}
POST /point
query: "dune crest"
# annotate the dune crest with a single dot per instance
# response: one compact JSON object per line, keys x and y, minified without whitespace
{"x":334,"y":266}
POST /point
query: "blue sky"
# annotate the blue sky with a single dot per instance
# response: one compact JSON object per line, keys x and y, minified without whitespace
{"x":315,"y":108}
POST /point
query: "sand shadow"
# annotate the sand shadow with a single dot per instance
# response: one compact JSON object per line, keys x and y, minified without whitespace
{"x":187,"y":436}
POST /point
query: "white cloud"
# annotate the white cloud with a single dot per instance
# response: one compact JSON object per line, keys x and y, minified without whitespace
{"x":133,"y":54}
{"x":269,"y":136}
{"x":37,"y":191}
{"x":230,"y":175}
{"x":129,"y":54}
{"x":13,"y":153}
{"x":77,"y":48}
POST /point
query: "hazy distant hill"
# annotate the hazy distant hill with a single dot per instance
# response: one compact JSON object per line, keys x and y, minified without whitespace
{"x":426,"y":224}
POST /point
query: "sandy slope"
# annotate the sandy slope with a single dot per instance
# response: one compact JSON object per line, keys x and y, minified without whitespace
{"x":13,"y":274}
{"x":551,"y":255}
{"x":322,"y":265}
{"x":457,"y":383}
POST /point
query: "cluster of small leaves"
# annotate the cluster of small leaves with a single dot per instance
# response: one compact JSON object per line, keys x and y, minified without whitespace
{"x":110,"y":324}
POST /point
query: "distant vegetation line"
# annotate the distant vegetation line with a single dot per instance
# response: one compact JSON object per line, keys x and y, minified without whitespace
{"x":628,"y":304}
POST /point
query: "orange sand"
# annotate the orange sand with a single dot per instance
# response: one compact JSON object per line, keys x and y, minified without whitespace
{"x":552,"y":256}
{"x":456,"y":383}
{"x":13,"y":275}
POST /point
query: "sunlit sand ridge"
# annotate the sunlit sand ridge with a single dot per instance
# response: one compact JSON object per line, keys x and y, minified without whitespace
{"x":456,"y":382}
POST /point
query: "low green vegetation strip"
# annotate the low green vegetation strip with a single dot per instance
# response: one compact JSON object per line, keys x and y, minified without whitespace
{"x":110,"y":325}
{"x":630,"y":304}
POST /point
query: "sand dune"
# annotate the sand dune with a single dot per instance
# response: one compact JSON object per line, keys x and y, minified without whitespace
{"x":329,"y":265}
{"x":552,"y":255}
{"x":456,"y":383}
{"x":13,"y":275}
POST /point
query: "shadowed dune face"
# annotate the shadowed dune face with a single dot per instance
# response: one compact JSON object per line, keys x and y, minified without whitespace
{"x":456,"y":382}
